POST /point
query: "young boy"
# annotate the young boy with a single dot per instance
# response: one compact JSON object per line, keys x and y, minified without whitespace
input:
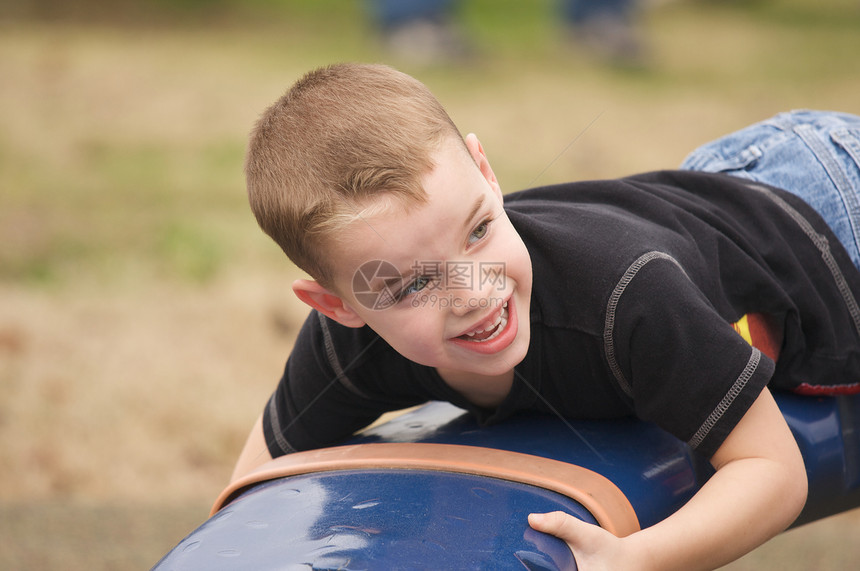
{"x":593,"y":300}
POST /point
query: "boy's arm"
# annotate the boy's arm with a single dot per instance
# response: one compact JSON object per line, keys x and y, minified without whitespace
{"x":255,"y":453}
{"x":759,"y":488}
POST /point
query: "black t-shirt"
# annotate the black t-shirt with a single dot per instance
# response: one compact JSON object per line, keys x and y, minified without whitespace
{"x":636,"y":284}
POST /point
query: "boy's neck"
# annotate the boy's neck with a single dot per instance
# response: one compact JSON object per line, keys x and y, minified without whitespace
{"x":487,"y":391}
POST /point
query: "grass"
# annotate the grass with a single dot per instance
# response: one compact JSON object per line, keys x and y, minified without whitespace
{"x":143,"y":317}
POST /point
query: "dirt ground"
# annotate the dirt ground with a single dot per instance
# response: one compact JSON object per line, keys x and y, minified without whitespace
{"x":144,"y":319}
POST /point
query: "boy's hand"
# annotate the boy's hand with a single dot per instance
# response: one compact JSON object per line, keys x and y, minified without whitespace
{"x":593,"y":547}
{"x":759,"y":487}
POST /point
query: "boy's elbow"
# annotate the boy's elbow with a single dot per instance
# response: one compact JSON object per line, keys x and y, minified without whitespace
{"x":796,"y":489}
{"x":801,"y":493}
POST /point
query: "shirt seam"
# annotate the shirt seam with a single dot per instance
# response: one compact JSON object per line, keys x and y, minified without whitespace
{"x":821,"y":242}
{"x":333,"y":360}
{"x":612,"y":308}
{"x":736,"y":389}
{"x":274,"y":420}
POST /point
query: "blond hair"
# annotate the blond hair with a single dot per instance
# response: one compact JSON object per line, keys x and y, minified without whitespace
{"x":340,"y":138}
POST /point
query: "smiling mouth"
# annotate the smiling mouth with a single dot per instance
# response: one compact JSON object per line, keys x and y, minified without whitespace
{"x":488,"y":331}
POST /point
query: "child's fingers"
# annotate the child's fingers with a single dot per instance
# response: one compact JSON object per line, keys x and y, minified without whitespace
{"x":592,"y":546}
{"x":559,"y":524}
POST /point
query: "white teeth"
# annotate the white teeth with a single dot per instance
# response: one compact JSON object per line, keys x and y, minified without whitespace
{"x":493,"y":326}
{"x":499,"y":326}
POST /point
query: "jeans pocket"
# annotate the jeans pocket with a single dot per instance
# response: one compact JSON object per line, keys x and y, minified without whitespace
{"x":743,"y":160}
{"x":849,"y":140}
{"x":726,"y":155}
{"x":848,"y":179}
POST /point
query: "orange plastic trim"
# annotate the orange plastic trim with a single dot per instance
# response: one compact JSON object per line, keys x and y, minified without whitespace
{"x":609,"y":506}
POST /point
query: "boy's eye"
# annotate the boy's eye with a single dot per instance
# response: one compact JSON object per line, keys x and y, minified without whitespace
{"x":479,"y":232}
{"x":415,"y":286}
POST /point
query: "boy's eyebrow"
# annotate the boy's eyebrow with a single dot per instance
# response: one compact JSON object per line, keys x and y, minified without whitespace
{"x":475,"y":208}
{"x":391,"y":283}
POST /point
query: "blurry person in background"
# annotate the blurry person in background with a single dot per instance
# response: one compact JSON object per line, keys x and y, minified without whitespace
{"x":607,"y":28}
{"x":421,"y":31}
{"x":426,"y":31}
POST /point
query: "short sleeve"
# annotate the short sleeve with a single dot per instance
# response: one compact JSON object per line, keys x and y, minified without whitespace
{"x":330,"y":387}
{"x":681,"y":363}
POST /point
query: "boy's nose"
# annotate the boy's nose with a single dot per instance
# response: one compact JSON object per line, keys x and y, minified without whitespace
{"x":462,"y":305}
{"x":473,"y":285}
{"x":466,"y":301}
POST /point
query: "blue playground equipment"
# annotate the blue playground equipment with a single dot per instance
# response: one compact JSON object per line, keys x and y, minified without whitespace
{"x":431,"y":489}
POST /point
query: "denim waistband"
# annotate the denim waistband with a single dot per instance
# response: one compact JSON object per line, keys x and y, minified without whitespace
{"x":812,"y":154}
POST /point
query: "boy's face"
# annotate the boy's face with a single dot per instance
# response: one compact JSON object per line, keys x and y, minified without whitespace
{"x":447,"y":283}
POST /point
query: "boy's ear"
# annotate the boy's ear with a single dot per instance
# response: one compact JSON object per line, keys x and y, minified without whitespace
{"x":328,"y":303}
{"x":480,"y":158}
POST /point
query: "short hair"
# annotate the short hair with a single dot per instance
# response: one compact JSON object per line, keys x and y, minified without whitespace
{"x":342,"y":136}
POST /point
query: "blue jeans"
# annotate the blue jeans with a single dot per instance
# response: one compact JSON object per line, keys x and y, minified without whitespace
{"x":583,"y":12}
{"x":393,"y":13}
{"x":812,"y":154}
{"x":390,"y":13}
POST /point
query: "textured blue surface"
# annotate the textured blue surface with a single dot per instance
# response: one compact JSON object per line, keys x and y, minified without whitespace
{"x":389,"y":519}
{"x":656,"y":471}
{"x":397,"y":519}
{"x":827,"y":430}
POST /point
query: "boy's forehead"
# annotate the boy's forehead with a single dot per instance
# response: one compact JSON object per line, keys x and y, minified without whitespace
{"x":403,"y":234}
{"x":453,"y":191}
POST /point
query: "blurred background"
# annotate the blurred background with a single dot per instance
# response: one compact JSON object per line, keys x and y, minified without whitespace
{"x":144,"y":319}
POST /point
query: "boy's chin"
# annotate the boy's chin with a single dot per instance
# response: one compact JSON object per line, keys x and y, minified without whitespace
{"x":504,"y":365}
